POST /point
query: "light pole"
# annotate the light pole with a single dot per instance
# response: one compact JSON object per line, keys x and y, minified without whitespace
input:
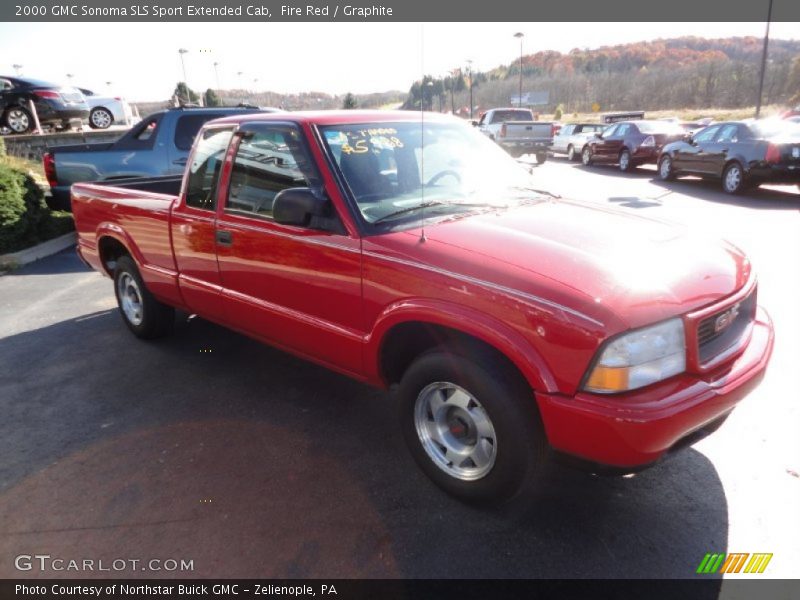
{"x":763,"y":61}
{"x":181,"y":52}
{"x":239,"y":74}
{"x":469,"y":74}
{"x":17,"y":69}
{"x":520,"y":35}
{"x":216,"y":74}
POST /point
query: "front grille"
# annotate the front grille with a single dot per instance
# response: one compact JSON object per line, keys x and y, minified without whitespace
{"x":723,"y":330}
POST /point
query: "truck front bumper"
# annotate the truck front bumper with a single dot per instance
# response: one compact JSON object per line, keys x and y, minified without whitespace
{"x":637,"y":428}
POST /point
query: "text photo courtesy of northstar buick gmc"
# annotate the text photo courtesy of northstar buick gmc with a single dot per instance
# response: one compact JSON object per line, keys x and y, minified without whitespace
{"x":413,"y":254}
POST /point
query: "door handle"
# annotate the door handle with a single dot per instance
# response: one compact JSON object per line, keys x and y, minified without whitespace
{"x":180,"y":161}
{"x":224,"y":238}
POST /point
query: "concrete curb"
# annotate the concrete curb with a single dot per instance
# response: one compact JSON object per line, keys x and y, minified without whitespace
{"x":29,"y":255}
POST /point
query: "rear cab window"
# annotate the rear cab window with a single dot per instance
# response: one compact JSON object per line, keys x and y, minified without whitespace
{"x":204,"y":170}
{"x":187,"y":127}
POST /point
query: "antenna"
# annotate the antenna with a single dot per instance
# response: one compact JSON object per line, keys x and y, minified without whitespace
{"x":422,"y":238}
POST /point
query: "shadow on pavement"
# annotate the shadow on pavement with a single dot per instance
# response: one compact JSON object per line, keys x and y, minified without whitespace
{"x":62,"y":262}
{"x":763,"y":198}
{"x":210,"y":447}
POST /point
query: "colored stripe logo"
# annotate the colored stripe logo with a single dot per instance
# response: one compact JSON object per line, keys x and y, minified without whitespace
{"x":737,"y":562}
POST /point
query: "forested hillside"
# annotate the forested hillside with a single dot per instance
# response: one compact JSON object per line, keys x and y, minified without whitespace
{"x":685,"y":72}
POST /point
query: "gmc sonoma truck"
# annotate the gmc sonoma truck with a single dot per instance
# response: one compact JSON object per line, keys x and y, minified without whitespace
{"x":409,"y":252}
{"x":156,"y":147}
{"x":517,"y":132}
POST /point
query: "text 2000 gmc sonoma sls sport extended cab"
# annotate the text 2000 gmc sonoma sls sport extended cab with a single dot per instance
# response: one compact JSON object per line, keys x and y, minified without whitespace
{"x":409,"y":250}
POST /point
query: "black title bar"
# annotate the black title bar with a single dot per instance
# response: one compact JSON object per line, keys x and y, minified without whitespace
{"x":397,"y":11}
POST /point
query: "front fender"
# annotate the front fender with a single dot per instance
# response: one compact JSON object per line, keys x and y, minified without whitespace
{"x":465,"y":320}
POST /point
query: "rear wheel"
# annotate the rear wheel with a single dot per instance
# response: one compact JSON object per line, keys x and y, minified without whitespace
{"x":586,"y":156}
{"x":733,"y":178}
{"x":541,"y":157}
{"x":571,"y":153}
{"x":18,"y":119}
{"x":145,"y":316}
{"x":625,"y":162}
{"x":100,"y":118}
{"x":665,"y":169}
{"x":471,"y":425}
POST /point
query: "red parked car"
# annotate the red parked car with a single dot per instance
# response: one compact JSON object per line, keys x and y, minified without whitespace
{"x":416,"y":256}
{"x":631,"y":143}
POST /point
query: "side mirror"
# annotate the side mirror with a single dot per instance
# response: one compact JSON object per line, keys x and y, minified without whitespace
{"x":298,"y":206}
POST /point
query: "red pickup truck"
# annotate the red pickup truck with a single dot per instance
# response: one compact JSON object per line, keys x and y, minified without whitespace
{"x":410,"y":252}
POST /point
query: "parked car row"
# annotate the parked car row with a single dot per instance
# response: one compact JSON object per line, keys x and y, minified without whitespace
{"x":741,"y":154}
{"x":56,"y":106}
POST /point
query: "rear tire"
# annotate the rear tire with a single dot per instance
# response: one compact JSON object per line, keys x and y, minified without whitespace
{"x":541,"y":157}
{"x":471,"y":425}
{"x":18,"y":119}
{"x":100,"y":118}
{"x":145,"y":316}
{"x":733,"y":181}
{"x":586,"y":156}
{"x":571,"y":156}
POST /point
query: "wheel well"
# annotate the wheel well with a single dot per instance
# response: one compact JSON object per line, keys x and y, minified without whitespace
{"x":406,"y":341}
{"x":111,"y":250}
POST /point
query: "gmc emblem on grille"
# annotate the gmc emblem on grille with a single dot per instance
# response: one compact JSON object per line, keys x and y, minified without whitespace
{"x":726,"y":319}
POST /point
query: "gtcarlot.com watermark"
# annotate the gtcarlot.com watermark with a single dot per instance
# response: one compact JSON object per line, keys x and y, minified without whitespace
{"x":44,"y":563}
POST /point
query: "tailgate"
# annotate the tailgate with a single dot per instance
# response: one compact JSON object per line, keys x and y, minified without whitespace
{"x":528,"y":130}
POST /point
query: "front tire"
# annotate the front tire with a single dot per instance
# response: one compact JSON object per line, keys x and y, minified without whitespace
{"x":145,"y":316}
{"x":100,"y":118}
{"x":586,"y":156}
{"x":471,"y":425}
{"x":625,"y":163}
{"x":666,"y":172}
{"x":733,"y":180}
{"x":18,"y":119}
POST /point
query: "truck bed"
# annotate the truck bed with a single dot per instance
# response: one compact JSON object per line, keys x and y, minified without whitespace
{"x":138,"y":209}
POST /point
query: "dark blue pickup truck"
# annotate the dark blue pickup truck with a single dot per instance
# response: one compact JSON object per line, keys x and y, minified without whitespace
{"x":157,"y":146}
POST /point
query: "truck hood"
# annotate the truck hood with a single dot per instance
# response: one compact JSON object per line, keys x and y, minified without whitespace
{"x":614,"y":267}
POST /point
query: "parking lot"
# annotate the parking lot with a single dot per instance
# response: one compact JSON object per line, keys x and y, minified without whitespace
{"x":210,"y":447}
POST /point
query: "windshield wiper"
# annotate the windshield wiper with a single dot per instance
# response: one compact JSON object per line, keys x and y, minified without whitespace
{"x":409,"y":209}
{"x":535,"y":191}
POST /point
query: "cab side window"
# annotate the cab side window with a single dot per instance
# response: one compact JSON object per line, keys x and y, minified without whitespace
{"x":266,"y":163}
{"x":205,"y":168}
{"x":707,"y":134}
{"x":728,"y":133}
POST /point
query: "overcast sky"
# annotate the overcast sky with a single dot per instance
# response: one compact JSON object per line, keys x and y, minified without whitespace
{"x":142,"y":61}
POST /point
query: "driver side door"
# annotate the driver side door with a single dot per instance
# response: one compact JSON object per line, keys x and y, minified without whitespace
{"x":295,"y":287}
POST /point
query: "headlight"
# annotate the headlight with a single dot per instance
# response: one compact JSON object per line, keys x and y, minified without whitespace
{"x":639,"y":358}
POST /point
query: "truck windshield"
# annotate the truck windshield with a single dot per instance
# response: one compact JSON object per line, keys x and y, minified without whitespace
{"x":391,"y":169}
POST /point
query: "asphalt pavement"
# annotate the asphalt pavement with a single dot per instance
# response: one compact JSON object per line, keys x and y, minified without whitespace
{"x":210,"y":447}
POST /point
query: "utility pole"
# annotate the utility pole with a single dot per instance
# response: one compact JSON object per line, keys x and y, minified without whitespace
{"x":520,"y":35}
{"x":763,"y":61}
{"x":469,"y":74}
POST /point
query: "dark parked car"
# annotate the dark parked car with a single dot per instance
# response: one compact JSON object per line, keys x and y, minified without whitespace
{"x":631,"y":143}
{"x":742,"y":153}
{"x":55,"y":105}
